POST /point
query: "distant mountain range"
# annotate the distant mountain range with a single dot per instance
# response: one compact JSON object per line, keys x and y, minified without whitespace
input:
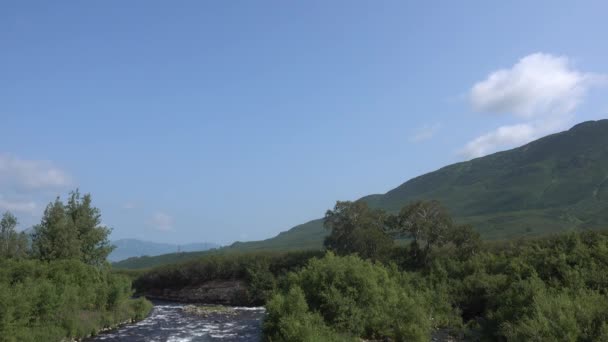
{"x":129,"y":248}
{"x":553,"y":184}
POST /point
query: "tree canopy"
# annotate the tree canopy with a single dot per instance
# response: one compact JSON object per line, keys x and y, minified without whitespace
{"x":61,"y":288}
{"x":356,"y":228}
{"x":12,"y":243}
{"x":72,"y":231}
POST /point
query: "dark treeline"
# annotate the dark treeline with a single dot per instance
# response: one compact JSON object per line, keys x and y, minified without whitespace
{"x":260,"y":271}
{"x":56,"y":283}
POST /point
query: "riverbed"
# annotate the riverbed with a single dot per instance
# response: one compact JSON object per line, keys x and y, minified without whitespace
{"x":176,"y":322}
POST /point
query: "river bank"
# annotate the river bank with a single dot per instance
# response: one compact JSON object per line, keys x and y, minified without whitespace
{"x":229,"y":293}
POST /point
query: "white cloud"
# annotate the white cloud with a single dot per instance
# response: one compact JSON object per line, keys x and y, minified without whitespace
{"x":539,"y":84}
{"x":425,"y":132}
{"x":162,"y":222}
{"x":129,"y":205}
{"x":541,"y":89}
{"x":31,"y":174}
{"x":28,"y":207}
{"x":501,"y":137}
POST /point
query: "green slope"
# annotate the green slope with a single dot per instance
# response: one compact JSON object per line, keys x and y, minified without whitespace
{"x":556,"y":183}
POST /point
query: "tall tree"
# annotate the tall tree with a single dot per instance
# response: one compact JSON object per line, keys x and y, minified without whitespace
{"x":12,"y":243}
{"x":56,"y":237}
{"x":466,"y":240}
{"x":72,"y":231}
{"x":356,"y":228}
{"x":94,"y":244}
{"x":427,"y":223}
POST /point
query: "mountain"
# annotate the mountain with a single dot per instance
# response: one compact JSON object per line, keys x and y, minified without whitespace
{"x":129,"y":248}
{"x":555,"y":183}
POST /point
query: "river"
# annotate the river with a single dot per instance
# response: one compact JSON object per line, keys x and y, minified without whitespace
{"x":175,"y":322}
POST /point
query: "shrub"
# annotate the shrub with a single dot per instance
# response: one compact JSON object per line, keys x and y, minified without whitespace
{"x":49,"y":301}
{"x":353,"y":297}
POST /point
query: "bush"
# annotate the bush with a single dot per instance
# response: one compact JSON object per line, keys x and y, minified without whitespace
{"x":289,"y":319}
{"x":49,"y":301}
{"x":563,"y":316}
{"x":353,"y":297}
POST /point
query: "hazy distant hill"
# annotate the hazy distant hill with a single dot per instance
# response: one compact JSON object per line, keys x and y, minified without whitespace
{"x":128,"y":248}
{"x":555,"y":183}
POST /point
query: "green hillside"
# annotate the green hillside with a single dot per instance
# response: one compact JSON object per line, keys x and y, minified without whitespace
{"x":556,"y":183}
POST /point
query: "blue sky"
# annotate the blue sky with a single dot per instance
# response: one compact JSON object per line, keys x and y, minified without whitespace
{"x":235,"y":120}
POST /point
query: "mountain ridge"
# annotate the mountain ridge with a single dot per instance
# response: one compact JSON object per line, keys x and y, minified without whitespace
{"x":507,"y":202}
{"x":553,"y":184}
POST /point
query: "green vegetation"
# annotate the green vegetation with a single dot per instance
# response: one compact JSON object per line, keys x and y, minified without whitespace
{"x":355,"y":228}
{"x":260,"y":271}
{"x":530,"y":290}
{"x":551,"y":289}
{"x":348,"y":296}
{"x":554,"y":184}
{"x":12,"y":244}
{"x":443,"y":278}
{"x":61,"y":287}
{"x":72,"y":231}
{"x":48,"y":301}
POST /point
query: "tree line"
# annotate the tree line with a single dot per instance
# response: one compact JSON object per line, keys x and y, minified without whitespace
{"x":69,"y":230}
{"x":355,"y":228}
{"x":440,"y":277}
{"x":55,"y":283}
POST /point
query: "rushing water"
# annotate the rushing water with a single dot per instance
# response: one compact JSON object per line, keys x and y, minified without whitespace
{"x":169,"y":322}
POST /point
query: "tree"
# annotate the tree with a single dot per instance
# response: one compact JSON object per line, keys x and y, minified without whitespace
{"x":466,"y":240}
{"x":72,"y":231}
{"x":12,"y":244}
{"x":94,"y":244}
{"x":56,"y":237}
{"x":355,"y":228}
{"x":427,"y":223}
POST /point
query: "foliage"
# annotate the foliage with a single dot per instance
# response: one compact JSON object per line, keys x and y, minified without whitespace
{"x":425,"y":222}
{"x":353,"y":297}
{"x":72,"y":231}
{"x":355,"y":228}
{"x":554,"y":184}
{"x":260,"y":271}
{"x":64,"y":287}
{"x":55,"y":237}
{"x":12,"y":244}
{"x":429,"y":225}
{"x":289,"y":319}
{"x":93,"y":237}
{"x":548,"y":289}
{"x":48,"y":301}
